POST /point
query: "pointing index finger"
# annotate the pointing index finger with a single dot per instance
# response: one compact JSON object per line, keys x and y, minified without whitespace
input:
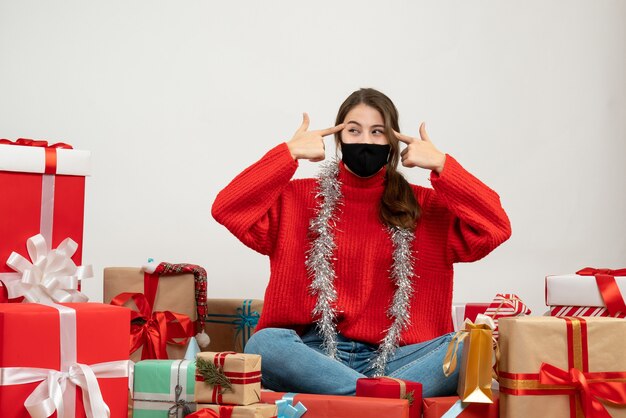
{"x":403,"y":138}
{"x":334,"y":129}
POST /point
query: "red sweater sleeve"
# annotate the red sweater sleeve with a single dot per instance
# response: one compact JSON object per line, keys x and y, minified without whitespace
{"x":478,"y":223}
{"x":249,"y":206}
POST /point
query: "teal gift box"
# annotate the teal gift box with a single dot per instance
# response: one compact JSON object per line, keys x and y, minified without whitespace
{"x":164,"y":388}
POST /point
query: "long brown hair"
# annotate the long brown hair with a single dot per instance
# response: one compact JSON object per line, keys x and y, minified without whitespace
{"x":398,"y":206}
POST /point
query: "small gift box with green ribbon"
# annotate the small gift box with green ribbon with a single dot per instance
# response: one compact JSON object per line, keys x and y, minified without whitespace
{"x":164,"y":388}
{"x":231,"y":322}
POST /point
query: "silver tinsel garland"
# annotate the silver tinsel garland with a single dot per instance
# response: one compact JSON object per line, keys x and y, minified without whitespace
{"x":320,"y":268}
{"x":319,"y":261}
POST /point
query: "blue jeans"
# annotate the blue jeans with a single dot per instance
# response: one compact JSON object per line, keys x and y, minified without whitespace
{"x":291,"y":363}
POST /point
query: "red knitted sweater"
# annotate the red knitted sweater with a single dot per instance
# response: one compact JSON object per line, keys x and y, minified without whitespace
{"x":462,"y":220}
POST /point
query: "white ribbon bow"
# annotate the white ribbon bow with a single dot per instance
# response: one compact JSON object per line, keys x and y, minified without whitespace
{"x":48,"y":395}
{"x":51,"y":277}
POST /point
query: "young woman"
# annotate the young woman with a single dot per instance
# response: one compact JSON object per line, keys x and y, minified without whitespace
{"x":361,"y":260}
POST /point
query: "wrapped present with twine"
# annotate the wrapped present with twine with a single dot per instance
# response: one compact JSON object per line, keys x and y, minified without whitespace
{"x":228,"y":378}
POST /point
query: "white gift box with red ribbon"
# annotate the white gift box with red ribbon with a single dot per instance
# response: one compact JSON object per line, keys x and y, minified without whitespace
{"x":589,"y":292}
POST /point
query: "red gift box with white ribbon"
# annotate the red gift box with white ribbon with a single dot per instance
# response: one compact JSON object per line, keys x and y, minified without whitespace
{"x":43,"y":189}
{"x":503,"y":305}
{"x":62,"y":359}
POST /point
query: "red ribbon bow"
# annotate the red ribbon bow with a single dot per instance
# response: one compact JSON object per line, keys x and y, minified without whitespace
{"x":611,"y":295}
{"x":158,"y":330}
{"x":590,"y":386}
{"x":25,"y":142}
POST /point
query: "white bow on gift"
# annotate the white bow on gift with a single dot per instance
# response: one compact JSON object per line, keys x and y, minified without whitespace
{"x":50,"y":276}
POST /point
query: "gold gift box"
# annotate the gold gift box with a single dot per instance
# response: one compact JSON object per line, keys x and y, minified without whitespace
{"x":175,"y":293}
{"x":231,"y":322}
{"x":243,"y":372}
{"x":528,"y":342}
{"x":257,"y":410}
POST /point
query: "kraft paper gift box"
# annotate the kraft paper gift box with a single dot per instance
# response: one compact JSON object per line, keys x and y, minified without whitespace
{"x":389,"y":387}
{"x":173,"y":293}
{"x":331,"y":406}
{"x":257,"y":410}
{"x":589,"y":292}
{"x":164,"y":388}
{"x":84,"y":340}
{"x":562,"y":367}
{"x":231,"y":322}
{"x":228,"y":378}
{"x":453,"y":407}
{"x":43,"y":189}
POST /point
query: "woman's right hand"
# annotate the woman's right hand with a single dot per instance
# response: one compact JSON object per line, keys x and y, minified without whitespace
{"x":309,"y":145}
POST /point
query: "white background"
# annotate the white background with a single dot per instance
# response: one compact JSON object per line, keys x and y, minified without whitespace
{"x":174,"y":98}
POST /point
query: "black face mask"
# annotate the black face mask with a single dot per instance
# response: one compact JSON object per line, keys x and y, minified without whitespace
{"x":364,"y":160}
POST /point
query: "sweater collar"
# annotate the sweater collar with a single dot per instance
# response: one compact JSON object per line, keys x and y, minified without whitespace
{"x":352,"y":180}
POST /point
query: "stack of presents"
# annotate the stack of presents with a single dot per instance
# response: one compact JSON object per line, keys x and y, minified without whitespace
{"x":137,"y":354}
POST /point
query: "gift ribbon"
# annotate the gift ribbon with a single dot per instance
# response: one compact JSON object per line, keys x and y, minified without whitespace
{"x":57,"y":390}
{"x":585,"y":389}
{"x":235,"y":378}
{"x":177,"y":397}
{"x":245,"y":321}
{"x":50,"y":276}
{"x":157,"y":328}
{"x":605,"y":279}
{"x":455,"y":410}
{"x":286,"y":408}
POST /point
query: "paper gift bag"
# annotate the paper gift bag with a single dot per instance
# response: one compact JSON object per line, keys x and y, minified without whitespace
{"x":164,"y":388}
{"x":43,"y":189}
{"x":231,"y":322}
{"x":562,"y":367}
{"x":390,"y":387}
{"x":477,"y":359}
{"x":257,"y":410}
{"x":228,"y":378}
{"x":81,"y":353}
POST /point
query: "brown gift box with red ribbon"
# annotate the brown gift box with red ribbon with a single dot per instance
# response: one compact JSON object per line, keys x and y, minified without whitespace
{"x":164,"y":299}
{"x":228,"y":378}
{"x":562,"y":367}
{"x":257,"y":410}
{"x":389,"y":387}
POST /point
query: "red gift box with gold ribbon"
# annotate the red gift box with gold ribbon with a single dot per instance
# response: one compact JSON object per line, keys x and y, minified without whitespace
{"x":43,"y":190}
{"x":389,"y":387}
{"x":562,"y":367}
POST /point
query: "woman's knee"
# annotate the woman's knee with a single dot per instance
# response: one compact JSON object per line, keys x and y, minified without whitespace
{"x":268,"y":340}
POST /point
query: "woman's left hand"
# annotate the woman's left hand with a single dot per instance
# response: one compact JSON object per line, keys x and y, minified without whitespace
{"x":421,"y":152}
